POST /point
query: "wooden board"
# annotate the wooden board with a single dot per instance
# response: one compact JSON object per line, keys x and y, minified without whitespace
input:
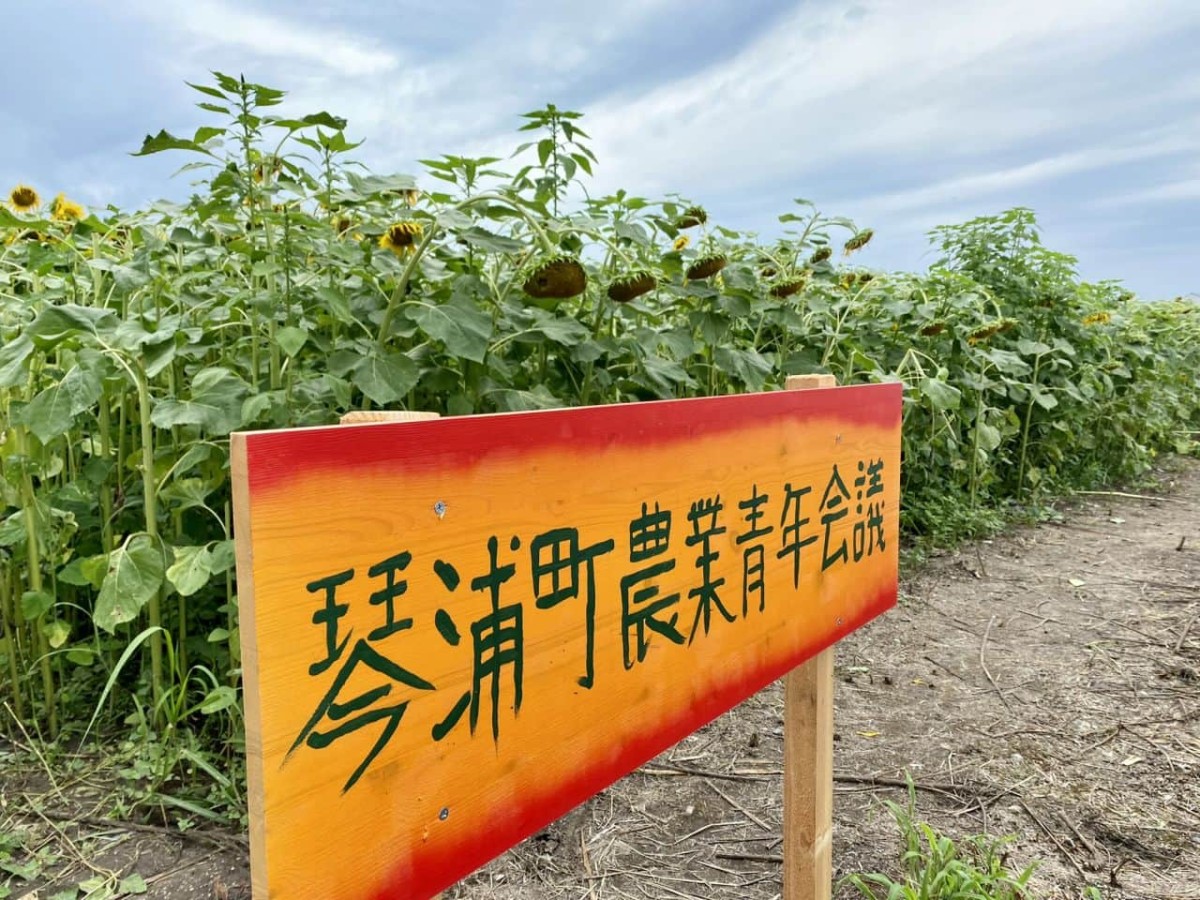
{"x":454,"y":631}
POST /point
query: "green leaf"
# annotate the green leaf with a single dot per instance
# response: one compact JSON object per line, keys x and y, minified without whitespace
{"x":206,"y":90}
{"x":53,"y":411}
{"x":135,"y":573}
{"x":386,"y":377}
{"x":81,"y":656}
{"x":291,"y":339}
{"x":82,"y":571}
{"x":218,"y":635}
{"x":56,"y":632}
{"x":460,"y":324}
{"x":989,"y":437}
{"x":186,"y":493}
{"x":54,"y":324}
{"x":215,"y":403}
{"x":562,"y":330}
{"x":35,"y":604}
{"x":487,"y":240}
{"x":164,"y":140}
{"x":1044,"y":399}
{"x":132,"y":884}
{"x":191,"y":569}
{"x":219,"y":698}
{"x":222,"y":557}
{"x":751,"y":368}
{"x":943,"y":396}
{"x":12,"y":361}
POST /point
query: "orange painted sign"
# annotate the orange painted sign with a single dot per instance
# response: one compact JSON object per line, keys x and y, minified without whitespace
{"x":455,"y":631}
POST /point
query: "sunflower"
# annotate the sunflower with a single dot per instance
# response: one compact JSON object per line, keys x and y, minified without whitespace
{"x":859,"y":241}
{"x":990,"y":330}
{"x":342,"y":224}
{"x":691,"y":217}
{"x":24,"y":198}
{"x":1100,"y":318}
{"x":706,"y":267}
{"x":821,"y":254}
{"x":934,"y":328}
{"x":64,"y":210}
{"x":788,"y":286}
{"x":556,"y":278}
{"x":400,"y":237}
{"x":682,"y":241}
{"x":632,"y":285}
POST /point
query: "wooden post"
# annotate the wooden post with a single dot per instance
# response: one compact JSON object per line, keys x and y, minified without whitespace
{"x":808,"y":758}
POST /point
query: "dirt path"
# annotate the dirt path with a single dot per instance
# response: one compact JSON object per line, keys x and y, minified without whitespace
{"x":1043,"y":684}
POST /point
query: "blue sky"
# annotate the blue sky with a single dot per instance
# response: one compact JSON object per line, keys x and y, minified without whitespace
{"x":902,"y":114}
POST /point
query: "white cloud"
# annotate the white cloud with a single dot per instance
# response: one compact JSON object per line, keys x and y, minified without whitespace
{"x":207,"y":24}
{"x":899,"y":81}
{"x":1045,"y":169}
{"x":1171,"y":192}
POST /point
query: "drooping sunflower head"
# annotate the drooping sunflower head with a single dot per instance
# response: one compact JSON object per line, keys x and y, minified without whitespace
{"x":691,"y":217}
{"x":934,"y":328}
{"x":786,"y":287}
{"x":706,"y":267}
{"x":24,"y":198}
{"x":859,"y":241}
{"x":342,"y":224}
{"x":64,"y":210}
{"x":986,"y":332}
{"x":401,"y":237}
{"x":1099,"y":318}
{"x":680,"y":242}
{"x":821,"y":254}
{"x":556,"y":278}
{"x":632,"y":285}
{"x":848,"y":280}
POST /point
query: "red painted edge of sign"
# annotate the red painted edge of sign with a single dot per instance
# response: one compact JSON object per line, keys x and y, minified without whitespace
{"x":439,"y":870}
{"x":462,"y":441}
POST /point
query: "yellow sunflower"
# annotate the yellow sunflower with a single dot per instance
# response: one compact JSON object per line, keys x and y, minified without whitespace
{"x":1100,"y":318}
{"x":682,"y":241}
{"x":401,"y":237}
{"x":64,"y":210}
{"x":24,"y":198}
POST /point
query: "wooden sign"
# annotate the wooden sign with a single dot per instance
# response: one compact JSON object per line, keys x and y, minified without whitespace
{"x":454,"y":631}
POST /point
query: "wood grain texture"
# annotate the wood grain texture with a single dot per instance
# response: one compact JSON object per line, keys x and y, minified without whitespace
{"x":808,"y":758}
{"x":389,"y":757}
{"x":378,"y":416}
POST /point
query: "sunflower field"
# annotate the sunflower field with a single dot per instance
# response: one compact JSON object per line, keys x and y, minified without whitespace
{"x":294,"y":286}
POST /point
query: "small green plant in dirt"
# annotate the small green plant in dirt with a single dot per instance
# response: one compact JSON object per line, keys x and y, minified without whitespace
{"x":935,"y":867}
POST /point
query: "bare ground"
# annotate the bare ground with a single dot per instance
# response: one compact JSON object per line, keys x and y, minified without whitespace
{"x":1044,"y":685}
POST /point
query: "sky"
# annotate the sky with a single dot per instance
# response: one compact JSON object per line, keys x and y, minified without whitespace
{"x":900,"y":114}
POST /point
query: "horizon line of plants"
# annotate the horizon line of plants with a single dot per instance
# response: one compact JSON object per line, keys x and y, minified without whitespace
{"x":294,"y":286}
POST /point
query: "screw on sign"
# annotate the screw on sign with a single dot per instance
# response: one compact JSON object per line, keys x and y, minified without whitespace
{"x":452,"y":638}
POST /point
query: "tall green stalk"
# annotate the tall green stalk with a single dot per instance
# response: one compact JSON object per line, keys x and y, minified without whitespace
{"x":8,"y":614}
{"x":150,"y":504}
{"x":1037,"y":364}
{"x":34,"y":576}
